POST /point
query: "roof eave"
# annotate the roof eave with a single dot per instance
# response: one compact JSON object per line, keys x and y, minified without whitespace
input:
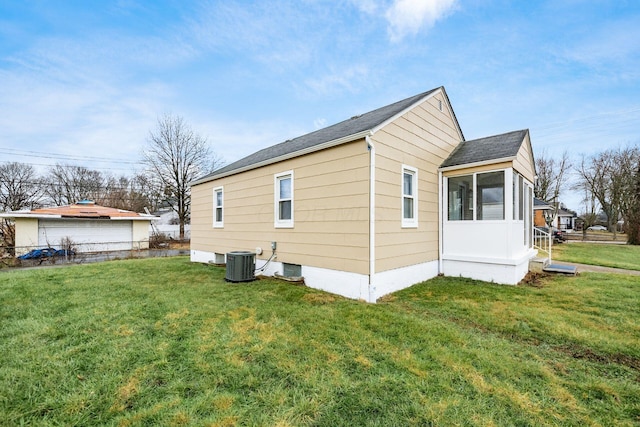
{"x":308,"y":150}
{"x":477,"y":164}
{"x":28,"y":215}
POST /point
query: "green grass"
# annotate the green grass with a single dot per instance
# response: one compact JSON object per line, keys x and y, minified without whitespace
{"x":607,"y":255}
{"x":168,"y":342}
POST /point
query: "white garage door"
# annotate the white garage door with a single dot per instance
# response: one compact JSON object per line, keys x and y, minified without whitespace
{"x":86,"y":235}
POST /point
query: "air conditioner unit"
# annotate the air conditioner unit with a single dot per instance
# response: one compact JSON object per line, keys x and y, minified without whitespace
{"x":241,"y":266}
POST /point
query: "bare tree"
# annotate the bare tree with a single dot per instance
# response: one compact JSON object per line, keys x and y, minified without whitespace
{"x":552,"y":177}
{"x":177,"y":155}
{"x":20,"y":187}
{"x":67,"y":184}
{"x":589,"y":214}
{"x":608,"y":176}
{"x":633,"y":219}
{"x":132,"y":193}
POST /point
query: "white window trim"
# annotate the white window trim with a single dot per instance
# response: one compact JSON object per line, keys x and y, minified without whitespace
{"x":475,"y":201}
{"x":409,"y":222}
{"x":288,"y":223}
{"x":218,"y":224}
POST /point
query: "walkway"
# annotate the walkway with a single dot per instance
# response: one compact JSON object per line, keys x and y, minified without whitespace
{"x":599,"y":269}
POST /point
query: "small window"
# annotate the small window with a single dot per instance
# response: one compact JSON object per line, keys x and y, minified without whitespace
{"x":460,"y":198}
{"x":218,"y":207}
{"x":409,"y":196}
{"x":284,"y":199}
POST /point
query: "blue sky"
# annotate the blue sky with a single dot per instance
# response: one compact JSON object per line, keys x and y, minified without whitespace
{"x":84,"y":82}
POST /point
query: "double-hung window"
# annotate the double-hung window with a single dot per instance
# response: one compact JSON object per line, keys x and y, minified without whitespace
{"x":284,"y":199}
{"x":409,"y":196}
{"x":218,"y":207}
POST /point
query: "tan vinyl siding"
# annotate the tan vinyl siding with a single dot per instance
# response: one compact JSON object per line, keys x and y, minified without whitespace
{"x":524,"y":161}
{"x":331,"y":214}
{"x":422,"y":138}
{"x":140,"y":234}
{"x":26,"y":235}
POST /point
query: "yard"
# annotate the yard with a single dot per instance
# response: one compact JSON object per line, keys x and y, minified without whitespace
{"x":168,"y":342}
{"x":607,"y":255}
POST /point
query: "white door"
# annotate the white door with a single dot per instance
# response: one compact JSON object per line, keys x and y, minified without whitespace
{"x":86,"y":235}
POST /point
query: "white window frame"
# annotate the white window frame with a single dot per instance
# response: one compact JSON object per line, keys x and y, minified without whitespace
{"x":282,"y":223}
{"x":409,"y":222}
{"x":475,"y":196}
{"x":216,"y":223}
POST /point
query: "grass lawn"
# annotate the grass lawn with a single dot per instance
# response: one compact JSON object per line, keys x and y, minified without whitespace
{"x":608,"y":255}
{"x":168,"y":342}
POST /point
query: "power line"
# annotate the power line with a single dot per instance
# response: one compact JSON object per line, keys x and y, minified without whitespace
{"x":101,"y":168}
{"x":56,"y":156}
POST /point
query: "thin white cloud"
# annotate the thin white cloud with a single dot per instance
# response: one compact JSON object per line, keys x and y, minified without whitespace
{"x":349,"y":79}
{"x":615,"y":43}
{"x":276,"y":35}
{"x":408,"y":17}
{"x":366,"y":6}
{"x":320,"y":123}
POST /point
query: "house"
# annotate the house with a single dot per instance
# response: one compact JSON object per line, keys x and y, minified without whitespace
{"x":168,"y":224}
{"x":375,"y":203}
{"x":541,"y":210}
{"x":87,"y":226}
{"x":566,"y":219}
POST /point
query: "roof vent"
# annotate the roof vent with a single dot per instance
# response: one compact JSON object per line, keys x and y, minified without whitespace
{"x":355,"y":117}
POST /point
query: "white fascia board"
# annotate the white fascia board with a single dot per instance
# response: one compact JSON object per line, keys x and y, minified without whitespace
{"x":133,"y":218}
{"x":29,"y":215}
{"x":477,"y":164}
{"x":319,"y":147}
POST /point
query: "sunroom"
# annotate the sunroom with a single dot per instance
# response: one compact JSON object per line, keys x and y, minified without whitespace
{"x":487,"y":209}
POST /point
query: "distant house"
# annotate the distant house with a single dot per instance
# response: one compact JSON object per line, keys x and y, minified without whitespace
{"x":376,"y":203}
{"x":540,"y":212}
{"x":168,"y":224}
{"x":566,"y":219}
{"x":90,"y":227}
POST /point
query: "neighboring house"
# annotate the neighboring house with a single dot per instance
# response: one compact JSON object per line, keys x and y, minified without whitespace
{"x":566,"y":219}
{"x":540,"y":211}
{"x":376,"y":203}
{"x":167,"y":223}
{"x":89,"y":227}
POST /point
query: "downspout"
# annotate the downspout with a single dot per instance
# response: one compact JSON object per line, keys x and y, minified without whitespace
{"x":440,"y":222}
{"x":372,"y":219}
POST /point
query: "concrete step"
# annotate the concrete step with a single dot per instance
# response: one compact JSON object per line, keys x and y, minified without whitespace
{"x":560,"y":268}
{"x":538,"y":264}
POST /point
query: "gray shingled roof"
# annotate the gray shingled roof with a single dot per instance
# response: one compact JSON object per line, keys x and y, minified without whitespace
{"x":537,"y":203}
{"x":354,"y":126}
{"x":484,"y":149}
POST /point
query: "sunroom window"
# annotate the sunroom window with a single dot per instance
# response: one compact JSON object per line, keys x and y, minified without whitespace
{"x":490,"y":196}
{"x":484,"y":191}
{"x":461,"y":198}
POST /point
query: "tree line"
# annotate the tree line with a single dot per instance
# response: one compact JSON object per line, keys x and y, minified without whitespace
{"x":608,"y":182}
{"x":174,"y":155}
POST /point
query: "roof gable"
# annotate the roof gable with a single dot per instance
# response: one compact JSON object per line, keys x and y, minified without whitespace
{"x":497,"y":147}
{"x":348,"y":130}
